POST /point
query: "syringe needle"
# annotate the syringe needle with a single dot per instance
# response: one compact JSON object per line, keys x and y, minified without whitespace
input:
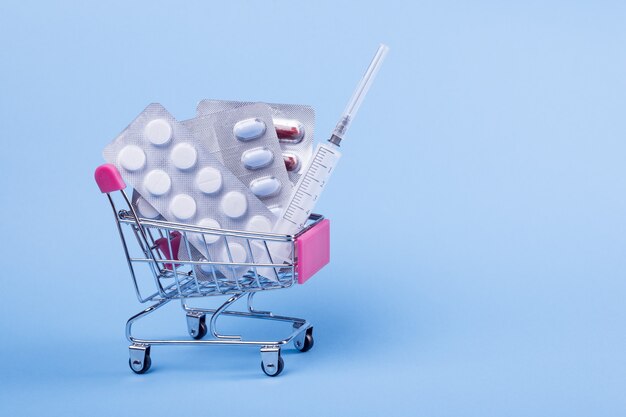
{"x":358,"y":95}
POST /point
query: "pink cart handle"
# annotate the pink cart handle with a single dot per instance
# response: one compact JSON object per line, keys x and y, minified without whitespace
{"x":313,"y":250}
{"x":109,"y":178}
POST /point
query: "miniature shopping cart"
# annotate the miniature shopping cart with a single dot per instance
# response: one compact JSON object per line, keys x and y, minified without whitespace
{"x":174,"y":277}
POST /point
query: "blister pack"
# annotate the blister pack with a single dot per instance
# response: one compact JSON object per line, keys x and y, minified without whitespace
{"x":249,"y":147}
{"x":175,"y":174}
{"x":143,"y":208}
{"x":294,"y":125}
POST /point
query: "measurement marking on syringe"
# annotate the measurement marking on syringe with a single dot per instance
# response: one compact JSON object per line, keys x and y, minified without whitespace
{"x":291,"y":213}
{"x":290,"y":221}
{"x":312,"y":183}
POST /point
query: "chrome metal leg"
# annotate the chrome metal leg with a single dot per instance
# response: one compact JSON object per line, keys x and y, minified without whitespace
{"x":251,"y":306}
{"x":271,"y":361}
{"x":129,"y":323}
{"x":217,"y":314}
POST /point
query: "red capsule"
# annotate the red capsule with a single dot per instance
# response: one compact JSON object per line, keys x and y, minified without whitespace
{"x":292,"y":162}
{"x":289,"y":130}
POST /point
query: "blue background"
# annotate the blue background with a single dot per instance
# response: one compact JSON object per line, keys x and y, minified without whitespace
{"x":478,"y":212}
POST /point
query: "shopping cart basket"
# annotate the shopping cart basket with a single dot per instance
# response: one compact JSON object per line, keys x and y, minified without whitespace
{"x":172,"y":277}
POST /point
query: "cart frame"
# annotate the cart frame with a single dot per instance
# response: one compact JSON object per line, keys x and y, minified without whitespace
{"x":176,"y":277}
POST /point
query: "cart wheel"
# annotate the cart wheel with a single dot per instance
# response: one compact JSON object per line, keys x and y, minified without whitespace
{"x":196,"y":325}
{"x":305,"y":344}
{"x":271,"y":370}
{"x":202,"y":331}
{"x":140,"y":367}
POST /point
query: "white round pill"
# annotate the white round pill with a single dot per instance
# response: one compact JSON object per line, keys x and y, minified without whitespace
{"x":209,"y":222}
{"x":183,"y":207}
{"x":184,"y":156}
{"x":238,"y":253}
{"x":209,"y":180}
{"x":259,"y":224}
{"x":146,"y":209}
{"x":234,"y":204}
{"x":157,"y":182}
{"x":276,"y":210}
{"x":131,"y":158}
{"x":206,"y":268}
{"x":158,"y":131}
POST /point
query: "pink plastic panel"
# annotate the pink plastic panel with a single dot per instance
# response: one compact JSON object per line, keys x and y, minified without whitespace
{"x":313,"y":250}
{"x":109,"y":178}
{"x":164,"y":247}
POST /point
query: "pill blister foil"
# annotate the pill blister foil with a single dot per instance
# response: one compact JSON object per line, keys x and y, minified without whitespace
{"x":219,"y":129}
{"x":303,"y":150}
{"x":183,"y":182}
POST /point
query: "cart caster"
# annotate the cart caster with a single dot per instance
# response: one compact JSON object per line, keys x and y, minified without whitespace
{"x":271,"y":361}
{"x":304,"y":341}
{"x":196,"y":325}
{"x":139,"y":360}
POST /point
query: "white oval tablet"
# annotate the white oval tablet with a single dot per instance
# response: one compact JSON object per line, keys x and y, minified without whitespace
{"x":146,"y":209}
{"x":209,"y":180}
{"x":265,"y":187}
{"x":276,"y":210}
{"x":131,"y":158}
{"x":259,"y":224}
{"x":238,"y":253}
{"x":157,"y":182}
{"x":183,"y":207}
{"x":158,"y":131}
{"x":257,"y":158}
{"x":249,"y":129}
{"x":208,"y":222}
{"x":184,"y":156}
{"x":234,"y":204}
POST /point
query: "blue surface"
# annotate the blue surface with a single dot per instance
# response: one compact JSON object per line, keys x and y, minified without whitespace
{"x":478,"y":213}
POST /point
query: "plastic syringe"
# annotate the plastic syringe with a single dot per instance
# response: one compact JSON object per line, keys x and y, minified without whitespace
{"x":312,"y":182}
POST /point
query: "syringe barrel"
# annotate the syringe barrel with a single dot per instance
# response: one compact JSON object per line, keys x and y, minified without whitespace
{"x":360,"y":92}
